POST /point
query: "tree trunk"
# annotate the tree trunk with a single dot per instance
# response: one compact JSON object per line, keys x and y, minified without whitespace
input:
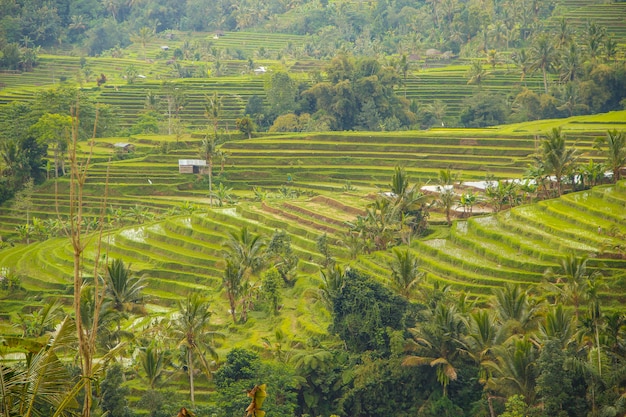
{"x":492,"y":412}
{"x":231,"y":300}
{"x":190,"y":369}
{"x":210,"y":163}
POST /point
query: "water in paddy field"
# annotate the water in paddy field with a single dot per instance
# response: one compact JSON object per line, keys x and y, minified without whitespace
{"x":231,"y":211}
{"x":135,"y":234}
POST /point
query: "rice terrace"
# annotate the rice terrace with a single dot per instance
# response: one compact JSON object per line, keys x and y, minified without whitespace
{"x":313,"y":208}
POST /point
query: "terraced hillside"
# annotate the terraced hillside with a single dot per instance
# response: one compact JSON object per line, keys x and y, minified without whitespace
{"x":159,"y":220}
{"x":608,"y":14}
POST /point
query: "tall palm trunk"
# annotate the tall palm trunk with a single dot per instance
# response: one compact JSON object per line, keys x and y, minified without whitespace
{"x":190,"y":369}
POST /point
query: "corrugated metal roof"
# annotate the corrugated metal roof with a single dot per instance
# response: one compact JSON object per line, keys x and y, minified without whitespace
{"x":194,"y":162}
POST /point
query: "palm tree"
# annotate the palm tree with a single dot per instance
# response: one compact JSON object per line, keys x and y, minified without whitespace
{"x":476,"y":74}
{"x":153,"y":362}
{"x":572,"y":282}
{"x":243,"y":254}
{"x":122,"y":295}
{"x":594,"y":38}
{"x":208,"y":150}
{"x":43,"y":381}
{"x":213,"y":110}
{"x":191,"y":329}
{"x":522,"y":60}
{"x":570,"y":64}
{"x":405,"y":273}
{"x":514,"y":368}
{"x":222,"y":194}
{"x":556,"y":158}
{"x":615,"y":151}
{"x":557,"y":324}
{"x":143,"y":36}
{"x":333,"y":281}
{"x":514,"y":309}
{"x":446,"y":200}
{"x":543,"y":57}
{"x":123,"y":290}
{"x":438,"y":343}
{"x":483,"y":336}
{"x":564,"y":34}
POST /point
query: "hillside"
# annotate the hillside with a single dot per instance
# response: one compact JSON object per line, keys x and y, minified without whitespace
{"x":360,"y":209}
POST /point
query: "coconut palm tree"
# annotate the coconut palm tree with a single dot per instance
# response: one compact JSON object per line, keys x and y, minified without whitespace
{"x":243,"y":253}
{"x":213,"y":110}
{"x":615,"y":151}
{"x":514,"y":309}
{"x":514,"y":368}
{"x":522,"y":60}
{"x":123,"y":290}
{"x":43,"y":381}
{"x":543,"y":57}
{"x":483,"y":336}
{"x":438,"y":342}
{"x":572,"y":282}
{"x":143,"y":36}
{"x":557,"y":324}
{"x":476,"y":74}
{"x":191,"y":328}
{"x":405,"y":273}
{"x":153,"y":361}
{"x":556,"y":158}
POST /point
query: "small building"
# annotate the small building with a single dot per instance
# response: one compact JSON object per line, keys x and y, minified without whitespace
{"x":260,"y":70}
{"x":165,"y":48}
{"x":124,"y":147}
{"x":191,"y":166}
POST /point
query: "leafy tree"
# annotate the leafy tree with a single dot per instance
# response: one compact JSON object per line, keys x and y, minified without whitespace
{"x":54,"y":130}
{"x":483,"y":110}
{"x":383,"y":387}
{"x":241,"y":372}
{"x":175,"y":98}
{"x":323,"y":247}
{"x":554,"y":380}
{"x":270,"y":286}
{"x":362,"y":311}
{"x":281,"y":93}
{"x":113,"y":401}
{"x":281,"y":255}
{"x":246,"y":126}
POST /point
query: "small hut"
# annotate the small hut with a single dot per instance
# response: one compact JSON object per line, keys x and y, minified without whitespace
{"x":123,"y":147}
{"x":191,"y":166}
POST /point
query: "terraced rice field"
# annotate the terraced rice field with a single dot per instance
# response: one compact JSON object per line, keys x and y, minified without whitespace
{"x":180,"y":250}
